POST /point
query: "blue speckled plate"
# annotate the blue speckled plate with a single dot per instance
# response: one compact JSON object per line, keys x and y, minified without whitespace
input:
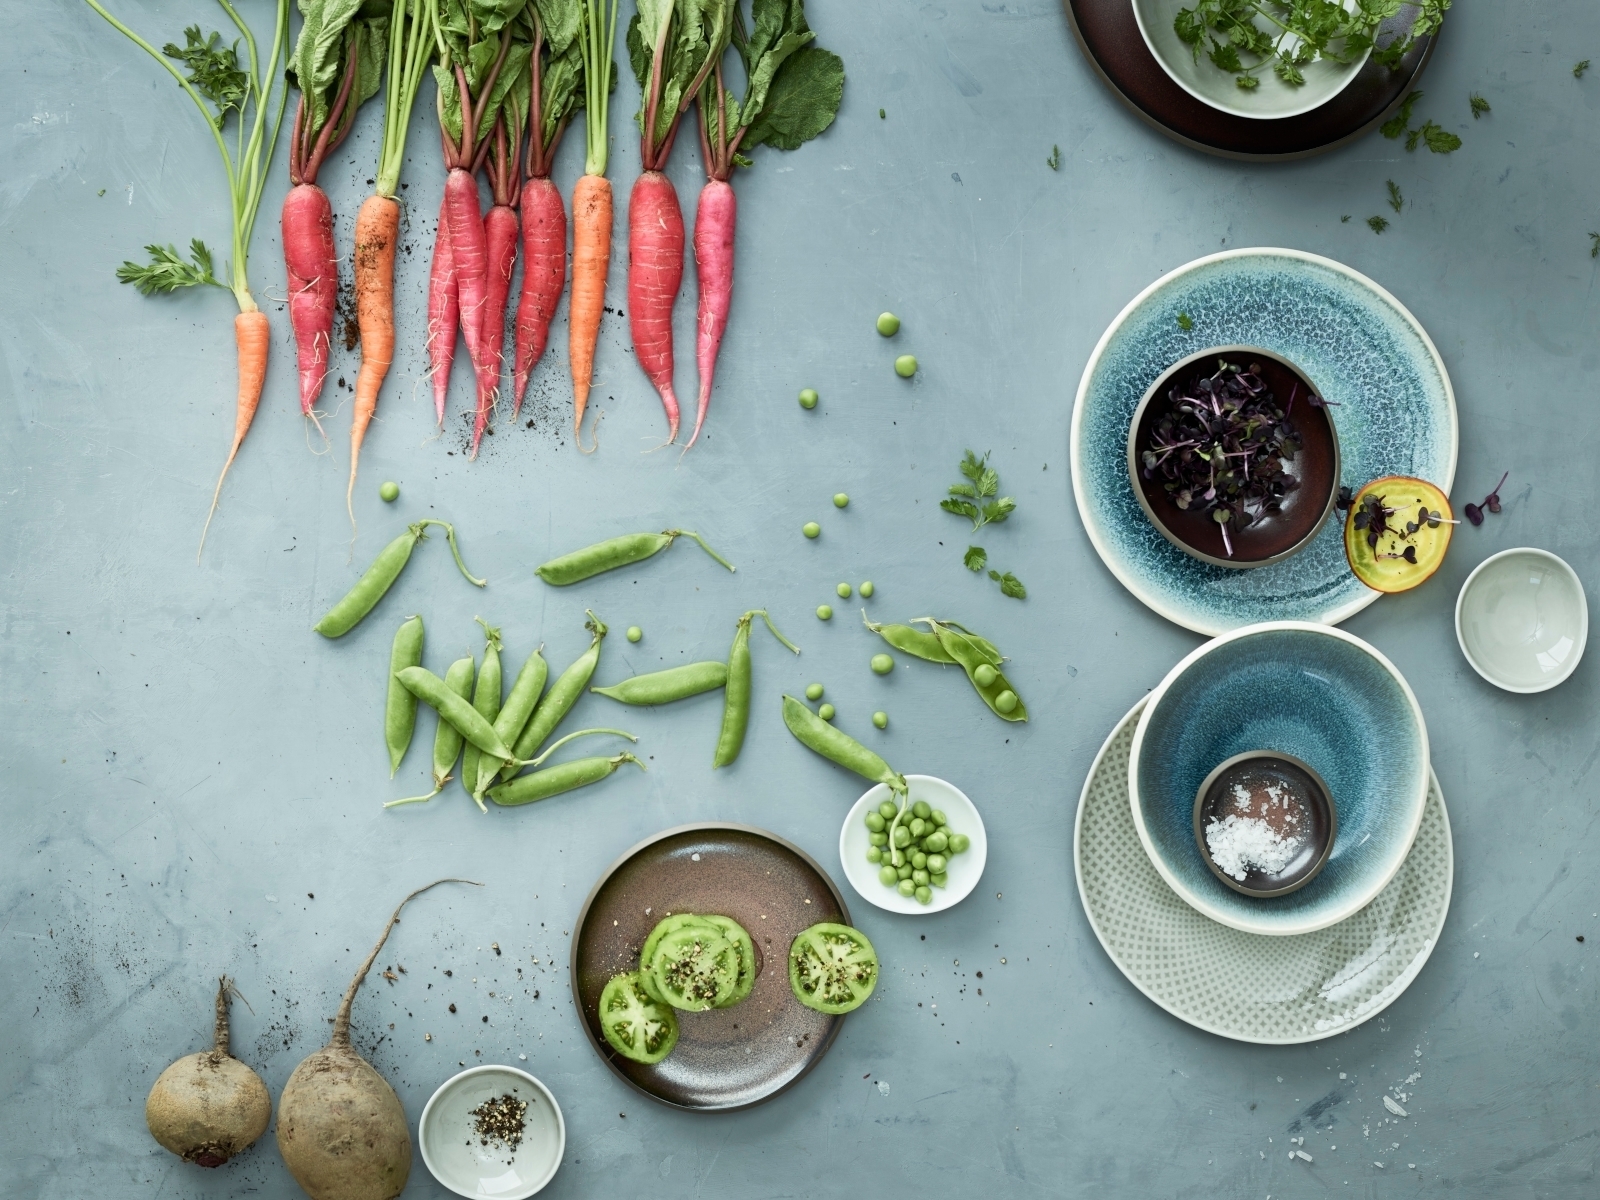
{"x":1394,"y":411}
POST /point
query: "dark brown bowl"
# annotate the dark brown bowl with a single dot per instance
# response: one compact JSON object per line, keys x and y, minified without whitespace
{"x":1276,"y":536}
{"x":728,"y":1058}
{"x":1309,"y":800}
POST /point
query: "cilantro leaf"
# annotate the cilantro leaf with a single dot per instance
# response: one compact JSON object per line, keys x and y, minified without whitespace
{"x":1010,"y":585}
{"x":1479,"y":105}
{"x":963,"y":508}
{"x":998,"y":510}
{"x":972,"y":466}
{"x":975,"y":558}
{"x":1438,"y":139}
{"x":1395,"y":126}
{"x":167,"y":272}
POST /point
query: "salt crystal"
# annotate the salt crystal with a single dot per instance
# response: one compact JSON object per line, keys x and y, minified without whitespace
{"x":883,"y":1088}
{"x":1394,"y":1108}
{"x":1379,"y":1165}
{"x":1239,"y":843}
{"x":1301,"y":1154}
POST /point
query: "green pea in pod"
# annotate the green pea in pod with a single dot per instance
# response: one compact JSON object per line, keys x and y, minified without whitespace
{"x":471,"y":724}
{"x":563,"y":777}
{"x":380,"y":576}
{"x":925,"y":644}
{"x":447,"y":740}
{"x":400,"y":709}
{"x":736,"y":698}
{"x":839,"y":747}
{"x":558,"y":701}
{"x":487,"y":695}
{"x":613,"y":553}
{"x":519,"y":706}
{"x":665,"y":687}
{"x":982,"y":668}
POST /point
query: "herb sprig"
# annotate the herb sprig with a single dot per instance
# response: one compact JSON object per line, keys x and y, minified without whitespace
{"x":978,"y":499}
{"x":167,"y":272}
{"x":213,"y":70}
{"x":1438,"y":139}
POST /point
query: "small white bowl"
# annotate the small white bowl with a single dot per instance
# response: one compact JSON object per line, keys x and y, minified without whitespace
{"x":965,"y":868}
{"x":1522,"y":620}
{"x":467,"y":1168}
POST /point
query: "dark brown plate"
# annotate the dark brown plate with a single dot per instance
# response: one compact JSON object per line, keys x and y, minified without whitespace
{"x":1275,"y":536}
{"x":733,"y":1057}
{"x":1309,"y":799}
{"x":1109,"y":35}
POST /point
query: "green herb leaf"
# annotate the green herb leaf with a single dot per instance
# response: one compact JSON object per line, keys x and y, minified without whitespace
{"x":167,"y":272}
{"x":1377,"y":224}
{"x":1185,"y":322}
{"x":975,"y":558}
{"x":802,"y":101}
{"x":963,"y":508}
{"x":1396,"y":200}
{"x":1438,"y":139}
{"x":972,"y":466}
{"x":1579,"y":68}
{"x":1395,"y":126}
{"x":1594,"y":244}
{"x":963,"y":489}
{"x":1054,"y":161}
{"x":1011,"y":586}
{"x":1479,"y":105}
{"x":998,"y":510}
{"x":214,"y":70}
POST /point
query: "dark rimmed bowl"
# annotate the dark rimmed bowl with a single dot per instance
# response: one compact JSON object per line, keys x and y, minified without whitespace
{"x":1310,"y":796}
{"x":728,"y":1058}
{"x":1271,"y":538}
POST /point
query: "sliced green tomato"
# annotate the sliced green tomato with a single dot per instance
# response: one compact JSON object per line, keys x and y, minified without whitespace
{"x":636,"y":1026}
{"x":647,"y":952}
{"x":832,"y":968}
{"x":740,"y":938}
{"x":695,"y":969}
{"x":1383,"y":567}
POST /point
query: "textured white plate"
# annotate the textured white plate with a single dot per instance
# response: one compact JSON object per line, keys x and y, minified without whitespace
{"x":965,"y":869}
{"x":469,"y":1169}
{"x":1247,"y":986}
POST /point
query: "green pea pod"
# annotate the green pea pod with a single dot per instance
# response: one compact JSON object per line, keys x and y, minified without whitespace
{"x":563,"y":777}
{"x":663,"y":687}
{"x":837,"y":746}
{"x":736,"y":699}
{"x":925,"y":644}
{"x":380,"y":576}
{"x":558,"y":701}
{"x":613,"y":553}
{"x":964,"y":648}
{"x":446,"y":739}
{"x":486,"y":698}
{"x":428,"y":687}
{"x":523,"y":697}
{"x":400,"y":710}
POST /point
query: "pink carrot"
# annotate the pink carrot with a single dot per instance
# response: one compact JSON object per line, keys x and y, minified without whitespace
{"x":469,"y":256}
{"x":655,"y":272}
{"x":444,"y":317}
{"x":713,"y":255}
{"x":544,"y":274}
{"x":500,"y":240}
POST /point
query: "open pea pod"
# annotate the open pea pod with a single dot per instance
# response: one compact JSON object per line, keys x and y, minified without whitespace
{"x":982,"y":665}
{"x":925,"y":644}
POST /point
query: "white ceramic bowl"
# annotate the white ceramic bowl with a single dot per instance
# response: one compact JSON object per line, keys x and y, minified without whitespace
{"x":1212,"y":86}
{"x":965,"y":869}
{"x":1522,"y":620}
{"x":469,"y":1169}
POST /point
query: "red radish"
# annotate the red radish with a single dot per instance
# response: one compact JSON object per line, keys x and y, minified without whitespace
{"x":444,"y":314}
{"x":792,"y":94}
{"x":313,"y":286}
{"x":469,"y":253}
{"x":500,"y":238}
{"x":555,"y":71}
{"x":673,"y":45}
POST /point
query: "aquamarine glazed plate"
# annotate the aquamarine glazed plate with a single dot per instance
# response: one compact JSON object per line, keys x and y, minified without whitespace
{"x":1393,"y":408}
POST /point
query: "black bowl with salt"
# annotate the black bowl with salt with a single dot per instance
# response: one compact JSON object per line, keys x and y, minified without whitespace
{"x":1265,"y":823}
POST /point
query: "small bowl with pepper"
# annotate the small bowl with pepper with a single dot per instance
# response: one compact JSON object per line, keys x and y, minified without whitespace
{"x":1234,"y":458}
{"x":492,"y":1131}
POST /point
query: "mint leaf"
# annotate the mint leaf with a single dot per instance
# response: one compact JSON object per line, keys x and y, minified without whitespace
{"x":975,"y":558}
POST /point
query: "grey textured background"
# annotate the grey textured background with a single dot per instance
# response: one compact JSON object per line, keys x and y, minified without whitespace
{"x":185,"y":763}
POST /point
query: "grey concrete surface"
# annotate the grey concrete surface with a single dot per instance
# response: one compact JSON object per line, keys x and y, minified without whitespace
{"x":192,"y":779}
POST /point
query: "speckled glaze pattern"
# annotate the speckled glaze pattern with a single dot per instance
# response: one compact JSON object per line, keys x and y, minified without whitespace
{"x":732,"y":1057}
{"x":1395,"y":415}
{"x":1319,"y":694}
{"x":1253,"y":988}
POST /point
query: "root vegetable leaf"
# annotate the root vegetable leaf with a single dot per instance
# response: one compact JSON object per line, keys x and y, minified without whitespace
{"x":1396,"y":200}
{"x":1396,"y":125}
{"x":167,"y":272}
{"x":1479,"y":105}
{"x":1377,"y":224}
{"x":213,"y":70}
{"x":1438,"y":139}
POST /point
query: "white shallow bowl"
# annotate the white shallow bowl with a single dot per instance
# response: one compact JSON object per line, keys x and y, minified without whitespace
{"x":1522,"y":620}
{"x":469,"y":1169}
{"x":965,"y":869}
{"x":1212,"y":86}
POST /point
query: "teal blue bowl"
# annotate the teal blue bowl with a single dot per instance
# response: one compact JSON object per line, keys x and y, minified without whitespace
{"x":1295,"y":688}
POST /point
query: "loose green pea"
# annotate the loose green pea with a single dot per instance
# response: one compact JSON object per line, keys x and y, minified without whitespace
{"x":922,"y":809}
{"x":1006,"y":702}
{"x":939,"y":881}
{"x":879,"y":839}
{"x":875,"y":821}
{"x":882,"y":664}
{"x":874,"y":854}
{"x":939,"y":818}
{"x":920,"y":878}
{"x":918,"y":827}
{"x":844,"y":591}
{"x":903,"y":871}
{"x":813,"y":692}
{"x":811,"y":529}
{"x":887,"y":810}
{"x":905,"y":366}
{"x":937,"y":842}
{"x":907,"y":888}
{"x":937,"y":863}
{"x":824,"y":612}
{"x":635,"y":633}
{"x":826,"y":712}
{"x":902,"y":837}
{"x":888,"y":876}
{"x":959,"y":843}
{"x":840,"y":500}
{"x":888,"y":324}
{"x":881,"y":720}
{"x":867,"y":589}
{"x":924,"y":894}
{"x":984,"y":674}
{"x":389,"y":492}
{"x":919,"y":860}
{"x":808,"y":397}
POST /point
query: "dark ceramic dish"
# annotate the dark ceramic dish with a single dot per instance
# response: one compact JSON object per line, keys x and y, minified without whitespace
{"x":1110,"y":37}
{"x":733,"y":1057}
{"x":1273,"y":537}
{"x":1306,"y":802}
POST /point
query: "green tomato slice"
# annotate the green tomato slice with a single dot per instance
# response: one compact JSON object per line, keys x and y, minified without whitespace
{"x":740,"y":938}
{"x":635,"y":1025}
{"x":695,"y":969}
{"x":647,"y":952}
{"x":832,"y":968}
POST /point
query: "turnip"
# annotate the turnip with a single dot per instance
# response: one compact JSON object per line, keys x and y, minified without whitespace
{"x":341,"y":1129}
{"x":207,"y":1107}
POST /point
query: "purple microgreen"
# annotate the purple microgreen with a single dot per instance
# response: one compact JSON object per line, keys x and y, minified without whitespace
{"x":1491,"y":502}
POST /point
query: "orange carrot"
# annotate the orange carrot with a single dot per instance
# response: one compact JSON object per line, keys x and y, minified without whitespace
{"x":377,"y":230}
{"x":253,"y":334}
{"x":591,"y":259}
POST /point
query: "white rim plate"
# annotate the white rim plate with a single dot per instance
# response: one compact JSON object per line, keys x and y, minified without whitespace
{"x":1251,"y":988}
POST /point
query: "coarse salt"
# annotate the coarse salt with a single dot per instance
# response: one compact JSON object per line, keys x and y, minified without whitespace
{"x":1394,"y":1108}
{"x":1239,"y":843}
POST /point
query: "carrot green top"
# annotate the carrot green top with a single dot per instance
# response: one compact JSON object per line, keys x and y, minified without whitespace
{"x":217,"y":80}
{"x":411,"y":25}
{"x":597,"y":34}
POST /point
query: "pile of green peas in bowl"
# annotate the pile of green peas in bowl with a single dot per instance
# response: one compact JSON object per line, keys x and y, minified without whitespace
{"x":926,"y":844}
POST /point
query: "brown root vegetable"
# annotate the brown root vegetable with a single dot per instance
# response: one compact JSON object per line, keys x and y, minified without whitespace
{"x":207,"y":1107}
{"x":341,"y":1129}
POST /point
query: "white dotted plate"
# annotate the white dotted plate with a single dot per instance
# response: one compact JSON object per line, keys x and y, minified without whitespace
{"x":1251,"y":987}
